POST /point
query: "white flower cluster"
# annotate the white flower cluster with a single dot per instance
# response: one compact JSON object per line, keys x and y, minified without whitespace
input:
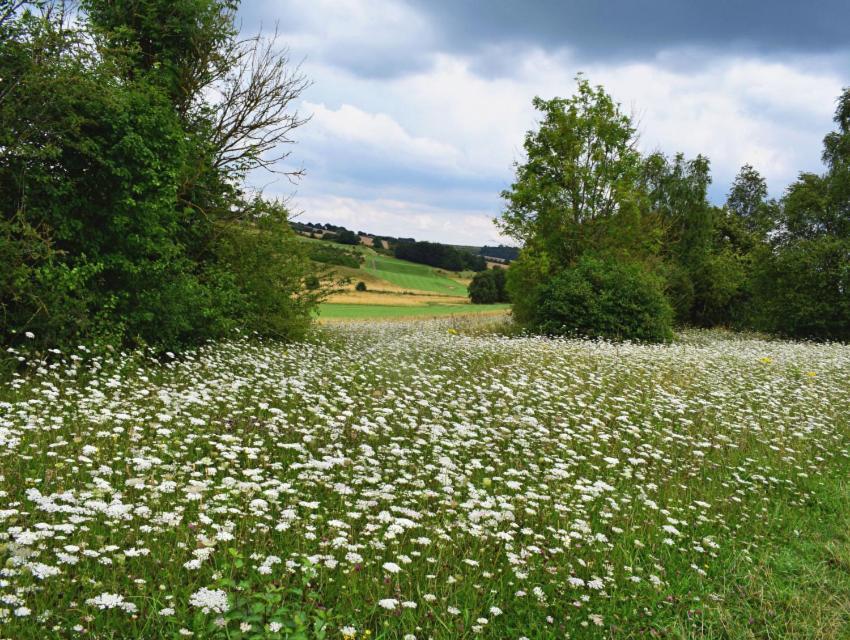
{"x":210,"y":600}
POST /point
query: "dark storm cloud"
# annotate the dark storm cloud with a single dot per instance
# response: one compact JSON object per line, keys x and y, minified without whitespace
{"x":614,"y":28}
{"x":589,"y":29}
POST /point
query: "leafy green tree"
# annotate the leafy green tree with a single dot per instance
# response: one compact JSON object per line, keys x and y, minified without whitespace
{"x":578,"y":199}
{"x":748,"y":201}
{"x":482,"y":289}
{"x":120,"y":176}
{"x":802,"y":279}
{"x":488,"y":287}
{"x":577,"y":191}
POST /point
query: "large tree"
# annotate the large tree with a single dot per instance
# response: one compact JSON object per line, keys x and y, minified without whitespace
{"x":126,"y":132}
{"x":802,"y":279}
{"x":579,"y":193}
{"x":577,"y":189}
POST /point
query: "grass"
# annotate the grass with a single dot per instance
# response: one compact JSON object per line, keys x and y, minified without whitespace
{"x":411,"y":276}
{"x":374,"y":311}
{"x":429,"y":479}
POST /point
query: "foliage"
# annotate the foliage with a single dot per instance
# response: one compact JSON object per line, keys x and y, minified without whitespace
{"x":117,"y":179}
{"x":439,"y":255}
{"x":583,"y":190}
{"x":488,"y":287}
{"x":598,"y":299}
{"x":577,"y":191}
{"x":270,"y":267}
{"x":347,"y":237}
{"x":801,"y":279}
{"x":330,"y":254}
{"x":580,"y":193}
{"x":360,"y":286}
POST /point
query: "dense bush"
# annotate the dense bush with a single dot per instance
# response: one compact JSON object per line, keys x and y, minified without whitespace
{"x":598,"y":299}
{"x":121,"y":213}
{"x":331,"y":254}
{"x":360,"y":286}
{"x":488,"y":287}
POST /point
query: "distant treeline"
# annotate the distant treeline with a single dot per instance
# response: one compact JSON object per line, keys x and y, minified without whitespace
{"x":439,"y":255}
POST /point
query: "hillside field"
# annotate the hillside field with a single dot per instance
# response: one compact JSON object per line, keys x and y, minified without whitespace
{"x":429,"y":479}
{"x":398,"y":289}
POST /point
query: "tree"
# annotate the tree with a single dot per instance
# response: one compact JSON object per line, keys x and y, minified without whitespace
{"x":747,"y":198}
{"x":802,"y":278}
{"x":578,"y":198}
{"x":577,"y":189}
{"x":119,"y":187}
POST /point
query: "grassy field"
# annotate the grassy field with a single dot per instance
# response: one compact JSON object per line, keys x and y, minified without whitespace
{"x":429,"y":479}
{"x":333,"y":311}
{"x":412,"y":277}
{"x":398,"y":289}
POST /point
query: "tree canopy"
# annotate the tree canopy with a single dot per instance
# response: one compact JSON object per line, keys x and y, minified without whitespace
{"x":126,"y":132}
{"x":585,"y":193}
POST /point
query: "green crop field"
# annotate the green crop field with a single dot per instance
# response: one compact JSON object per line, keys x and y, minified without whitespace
{"x":413,"y":276}
{"x":404,"y":274}
{"x":366,"y":311}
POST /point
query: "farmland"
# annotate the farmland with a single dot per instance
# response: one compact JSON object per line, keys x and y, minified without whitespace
{"x":428,"y":479}
{"x":398,"y":289}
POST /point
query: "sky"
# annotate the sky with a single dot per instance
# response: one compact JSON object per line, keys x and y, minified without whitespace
{"x":419,"y":107}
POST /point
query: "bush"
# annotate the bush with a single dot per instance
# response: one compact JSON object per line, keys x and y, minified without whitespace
{"x":347,"y":237}
{"x":360,"y":286}
{"x":488,"y":287}
{"x":267,"y":269}
{"x":598,"y":299}
{"x":332,"y":254}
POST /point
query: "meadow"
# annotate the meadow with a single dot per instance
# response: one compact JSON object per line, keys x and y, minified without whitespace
{"x":428,"y":479}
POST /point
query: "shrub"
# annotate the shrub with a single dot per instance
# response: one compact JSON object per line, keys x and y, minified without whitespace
{"x":274,"y":290}
{"x":360,"y":286}
{"x":598,"y":299}
{"x":488,"y":287}
{"x":332,"y":254}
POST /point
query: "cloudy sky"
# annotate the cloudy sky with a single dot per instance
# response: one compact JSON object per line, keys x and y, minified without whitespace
{"x":419,"y":107}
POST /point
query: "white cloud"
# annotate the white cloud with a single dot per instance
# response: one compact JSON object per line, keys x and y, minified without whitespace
{"x":402,"y":219}
{"x":378,"y":134}
{"x":392,"y":151}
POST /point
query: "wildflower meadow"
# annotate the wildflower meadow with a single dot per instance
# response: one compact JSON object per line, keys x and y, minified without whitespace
{"x":427,"y":479}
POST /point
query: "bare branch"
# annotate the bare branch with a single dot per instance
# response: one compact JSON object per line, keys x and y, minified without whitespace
{"x":253,"y":115}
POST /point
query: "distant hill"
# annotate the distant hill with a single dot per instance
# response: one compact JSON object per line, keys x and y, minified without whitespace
{"x":327,"y":231}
